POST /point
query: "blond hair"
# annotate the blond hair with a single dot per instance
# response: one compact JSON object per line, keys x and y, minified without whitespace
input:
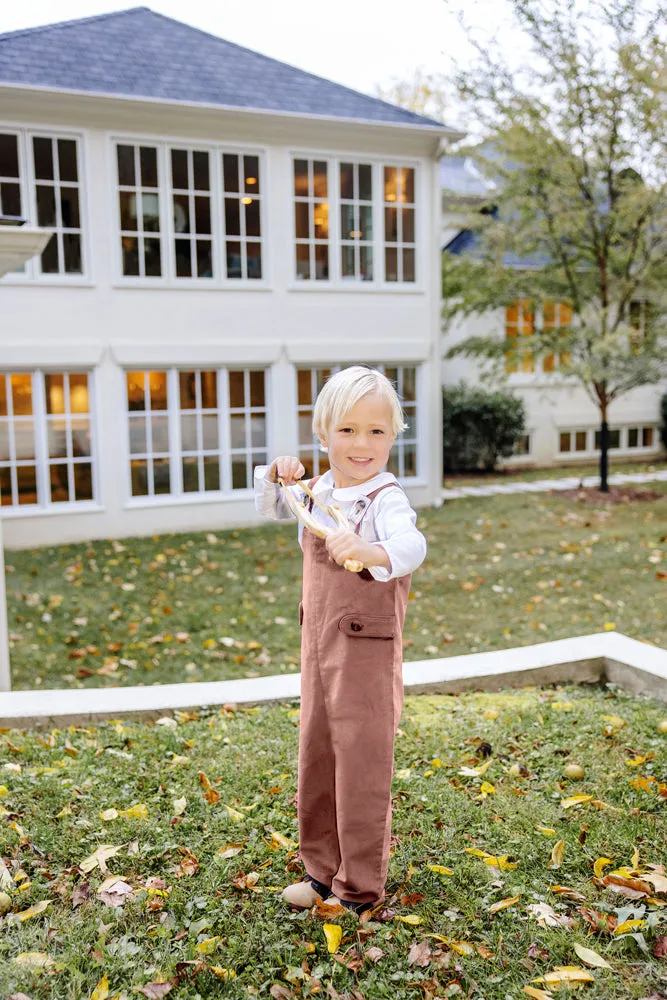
{"x":343,"y":390}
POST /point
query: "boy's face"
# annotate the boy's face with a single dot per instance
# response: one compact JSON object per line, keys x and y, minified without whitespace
{"x":360,"y":443}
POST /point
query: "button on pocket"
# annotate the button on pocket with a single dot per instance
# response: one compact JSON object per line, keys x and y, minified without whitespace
{"x":368,"y":626}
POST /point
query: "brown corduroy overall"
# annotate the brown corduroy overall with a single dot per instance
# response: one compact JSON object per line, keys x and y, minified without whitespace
{"x":351,"y":702}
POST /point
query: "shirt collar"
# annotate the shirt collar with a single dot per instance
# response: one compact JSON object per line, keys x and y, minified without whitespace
{"x":347,"y":493}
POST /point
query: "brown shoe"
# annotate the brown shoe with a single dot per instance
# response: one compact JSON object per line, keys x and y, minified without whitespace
{"x":303,"y":895}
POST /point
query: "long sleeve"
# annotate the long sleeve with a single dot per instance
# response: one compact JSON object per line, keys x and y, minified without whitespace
{"x":396,"y":530}
{"x":269,"y":499}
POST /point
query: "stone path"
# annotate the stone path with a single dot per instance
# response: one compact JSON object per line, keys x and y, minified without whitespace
{"x":544,"y":485}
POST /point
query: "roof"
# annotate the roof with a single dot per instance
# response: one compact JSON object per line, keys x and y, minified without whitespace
{"x":139,"y":53}
{"x":461,"y":177}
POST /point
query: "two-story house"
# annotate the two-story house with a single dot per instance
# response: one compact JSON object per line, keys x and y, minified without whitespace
{"x":227,"y":230}
{"x":562,"y":423}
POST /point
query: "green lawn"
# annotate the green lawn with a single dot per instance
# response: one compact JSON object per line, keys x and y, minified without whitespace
{"x":553,"y":472}
{"x":501,"y":571}
{"x":195,"y":864}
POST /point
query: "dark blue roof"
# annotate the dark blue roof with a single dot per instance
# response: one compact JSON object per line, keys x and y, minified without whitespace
{"x":140,"y":53}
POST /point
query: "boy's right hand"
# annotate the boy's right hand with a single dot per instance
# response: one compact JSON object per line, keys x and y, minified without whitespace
{"x":287,"y":468}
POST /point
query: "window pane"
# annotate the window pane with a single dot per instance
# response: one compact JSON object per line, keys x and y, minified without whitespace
{"x":410,"y":460}
{"x":139,"y":476}
{"x":158,"y":386}
{"x":211,"y":472}
{"x":366,"y":222}
{"x":72,"y":252}
{"x":347,"y":262}
{"x":252,"y":218}
{"x":49,"y":260}
{"x":231,"y":171}
{"x":161,"y":479}
{"x":407,"y":185}
{"x":347,"y":230}
{"x":81,"y":438}
{"x":130,"y":247}
{"x":408,"y":225}
{"x":346,"y":180}
{"x":237,"y":425}
{"x":202,"y":214}
{"x":125,"y":158}
{"x":390,"y":225}
{"x":239,"y":473}
{"x":148,"y":166}
{"x":254,"y":260}
{"x":319,"y":179}
{"x":409,"y":268}
{"x":150,"y":212}
{"x":4,"y":441}
{"x":209,"y":426}
{"x":43,"y":156}
{"x":188,"y":396}
{"x":179,"y":169}
{"x":366,"y":263}
{"x":234,"y":261}
{"x":55,"y":393}
{"x":128,"y":210}
{"x":647,"y":437}
{"x":304,"y":390}
{"x":580,"y":441}
{"x":58,"y":483}
{"x":83,"y":481}
{"x":633,"y":437}
{"x":236,"y":390}
{"x":10,"y":199}
{"x":301,"y":177}
{"x":365,"y":182}
{"x":135,"y":391}
{"x":209,"y":390}
{"x":411,"y":421}
{"x":6,"y":498}
{"x":201,"y":171}
{"x":24,"y":439}
{"x":160,"y":433}
{"x":204,"y":259}
{"x":188,"y":434}
{"x":257,"y":388}
{"x":258,"y":431}
{"x":183,"y":262}
{"x":390,"y":264}
{"x":26,"y":476}
{"x":321,"y":220}
{"x":301,"y":220}
{"x":251,"y":174}
{"x":67,"y":168}
{"x":3,"y":395}
{"x":138,"y":443}
{"x":564,"y":444}
{"x":46,"y":206}
{"x":22,"y":395}
{"x":9,"y":155}
{"x":190,"y":467}
{"x":181,"y":213}
{"x":390,"y":184}
{"x":232,"y":217}
{"x":321,"y":262}
{"x":152,"y":258}
{"x":409,"y":384}
{"x":302,"y":261}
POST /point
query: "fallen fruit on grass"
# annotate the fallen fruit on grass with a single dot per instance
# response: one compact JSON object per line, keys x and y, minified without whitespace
{"x":662,"y":726}
{"x":574,"y":772}
{"x":5,"y":903}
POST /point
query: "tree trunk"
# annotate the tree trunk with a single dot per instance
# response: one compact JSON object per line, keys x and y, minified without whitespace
{"x":604,"y":453}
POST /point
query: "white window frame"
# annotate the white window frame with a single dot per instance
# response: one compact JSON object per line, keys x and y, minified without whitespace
{"x":40,"y":419}
{"x":624,"y":448}
{"x":304,"y":409}
{"x":356,"y":203}
{"x":168,"y":279}
{"x":31,"y":272}
{"x":336,"y":282}
{"x":175,"y":453}
{"x":400,"y":245}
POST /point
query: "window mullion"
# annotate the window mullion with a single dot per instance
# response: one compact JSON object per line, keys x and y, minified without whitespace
{"x":165,"y":196}
{"x":69,"y":448}
{"x":41,"y":439}
{"x":174,"y":425}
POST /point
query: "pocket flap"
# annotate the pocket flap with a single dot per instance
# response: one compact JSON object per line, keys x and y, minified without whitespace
{"x":368,"y":626}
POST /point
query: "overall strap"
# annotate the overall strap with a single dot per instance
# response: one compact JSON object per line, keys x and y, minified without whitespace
{"x":310,"y":499}
{"x":371,"y":497}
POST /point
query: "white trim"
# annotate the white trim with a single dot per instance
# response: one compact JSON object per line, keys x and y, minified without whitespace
{"x":68,"y":355}
{"x":386,"y":351}
{"x":130,"y":354}
{"x":32,"y":510}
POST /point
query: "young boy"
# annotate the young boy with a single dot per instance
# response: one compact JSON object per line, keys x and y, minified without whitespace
{"x":351,"y":650}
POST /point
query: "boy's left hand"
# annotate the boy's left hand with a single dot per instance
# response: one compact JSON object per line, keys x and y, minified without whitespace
{"x":344,"y":545}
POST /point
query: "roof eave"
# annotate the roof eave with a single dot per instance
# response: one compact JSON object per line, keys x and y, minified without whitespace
{"x":437,"y":131}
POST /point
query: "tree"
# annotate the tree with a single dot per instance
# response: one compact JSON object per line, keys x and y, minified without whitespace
{"x":577,"y":147}
{"x":425,"y":94}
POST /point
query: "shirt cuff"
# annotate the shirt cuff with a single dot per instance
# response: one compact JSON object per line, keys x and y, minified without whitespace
{"x":381,"y":573}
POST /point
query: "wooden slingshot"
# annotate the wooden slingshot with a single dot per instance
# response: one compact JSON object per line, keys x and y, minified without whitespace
{"x":302,"y":514}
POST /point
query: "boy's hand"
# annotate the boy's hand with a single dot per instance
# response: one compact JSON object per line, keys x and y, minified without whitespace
{"x":287,"y":468}
{"x":343,"y":545}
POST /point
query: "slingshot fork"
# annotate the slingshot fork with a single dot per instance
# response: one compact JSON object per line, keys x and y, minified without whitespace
{"x":302,"y":514}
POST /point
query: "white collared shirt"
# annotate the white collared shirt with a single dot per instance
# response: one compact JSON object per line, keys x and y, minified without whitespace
{"x":391,"y":522}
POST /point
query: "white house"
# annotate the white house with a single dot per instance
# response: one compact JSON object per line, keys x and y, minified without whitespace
{"x":562,"y":422}
{"x":226,"y":231}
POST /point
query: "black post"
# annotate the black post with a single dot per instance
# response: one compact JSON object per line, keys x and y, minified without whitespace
{"x":604,"y":456}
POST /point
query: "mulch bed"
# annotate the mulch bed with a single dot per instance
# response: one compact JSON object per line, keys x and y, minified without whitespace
{"x":592,"y":496}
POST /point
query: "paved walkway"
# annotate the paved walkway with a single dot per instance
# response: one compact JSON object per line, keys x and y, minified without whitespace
{"x":544,"y":485}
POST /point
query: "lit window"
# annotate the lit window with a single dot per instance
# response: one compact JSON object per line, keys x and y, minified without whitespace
{"x":149,"y":433}
{"x":46,"y":447}
{"x":356,"y":221}
{"x":242,"y":215}
{"x":519,"y":323}
{"x":647,"y":437}
{"x":311,"y":219}
{"x":399,"y":224}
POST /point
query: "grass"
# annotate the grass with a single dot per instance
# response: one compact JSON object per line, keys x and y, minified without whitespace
{"x":517,"y":474}
{"x":501,"y":571}
{"x":189,"y":910}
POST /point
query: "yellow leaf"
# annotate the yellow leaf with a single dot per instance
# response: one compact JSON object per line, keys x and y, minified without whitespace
{"x":491,"y":713}
{"x":65,"y":811}
{"x":234,"y":814}
{"x":229,"y":850}
{"x":548,"y":832}
{"x":566,"y":974}
{"x":590,"y":957}
{"x":278,"y":840}
{"x":440,"y":869}
{"x":562,"y":706}
{"x":600,"y":865}
{"x":409,"y":918}
{"x":101,"y":991}
{"x":138,"y":811}
{"x":475,"y":851}
{"x":32,"y":911}
{"x":3,"y":791}
{"x":207,"y":946}
{"x":629,"y":925}
{"x":575,"y":800}
{"x":462,"y":947}
{"x":634,"y":864}
{"x":487,"y":789}
{"x":333,"y":933}
{"x":33,"y":960}
{"x":109,"y":814}
{"x":100,"y":857}
{"x":609,"y":626}
{"x":503,"y":904}
{"x":532,"y":991}
{"x":557,"y":854}
{"x":224,"y":974}
{"x":180,"y":805}
{"x":639,"y":760}
{"x":502,"y":862}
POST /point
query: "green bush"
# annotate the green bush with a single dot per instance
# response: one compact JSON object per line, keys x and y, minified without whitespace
{"x":663,"y":429}
{"x":479,"y":427}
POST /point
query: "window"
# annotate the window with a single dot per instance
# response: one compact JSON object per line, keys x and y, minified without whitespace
{"x":641,"y":437}
{"x":573,"y":441}
{"x":523,"y":446}
{"x":519,"y":323}
{"x":356,"y":221}
{"x":311,"y":219}
{"x":614,"y":438}
{"x":399,"y":224}
{"x":556,"y":316}
{"x":203,"y":206}
{"x":191,"y":208}
{"x":139,"y":207}
{"x":195,"y":432}
{"x":46,"y":447}
{"x":51,"y":198}
{"x":243,"y":246}
{"x":403,"y":459}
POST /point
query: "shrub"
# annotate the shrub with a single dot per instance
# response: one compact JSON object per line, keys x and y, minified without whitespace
{"x":479,"y":427}
{"x":663,"y":429}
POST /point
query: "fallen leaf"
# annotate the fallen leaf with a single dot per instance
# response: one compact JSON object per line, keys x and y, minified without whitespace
{"x":154,"y":991}
{"x":590,"y":957}
{"x":32,"y":911}
{"x":234,"y":814}
{"x":575,"y":800}
{"x":224,"y":974}
{"x":374,"y":954}
{"x":636,"y":886}
{"x":503,"y":904}
{"x":532,"y":991}
{"x":34,"y":960}
{"x":440,"y":869}
{"x":600,"y":865}
{"x":566,"y":974}
{"x":180,"y":805}
{"x":210,"y":793}
{"x":408,"y":918}
{"x":333,"y":933}
{"x":230,"y":850}
{"x":101,"y":991}
{"x":208,"y":946}
{"x":546,"y":916}
{"x":548,"y":832}
{"x":420,"y":954}
{"x":557,"y":854}
{"x":660,"y":947}
{"x":137,"y":811}
{"x":628,"y":926}
{"x":99,"y":858}
{"x":280,"y":842}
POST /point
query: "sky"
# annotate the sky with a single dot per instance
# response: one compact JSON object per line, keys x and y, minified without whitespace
{"x":360,"y":43}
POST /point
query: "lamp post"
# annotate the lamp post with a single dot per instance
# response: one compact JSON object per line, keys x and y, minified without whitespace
{"x":18,"y":243}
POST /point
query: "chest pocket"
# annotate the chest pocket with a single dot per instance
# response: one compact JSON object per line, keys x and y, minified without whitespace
{"x":368,"y":626}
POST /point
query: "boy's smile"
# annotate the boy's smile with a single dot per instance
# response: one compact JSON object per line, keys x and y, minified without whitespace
{"x":360,"y":443}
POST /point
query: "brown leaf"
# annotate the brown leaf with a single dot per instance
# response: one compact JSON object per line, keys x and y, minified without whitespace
{"x":601,"y":923}
{"x":420,"y":954}
{"x":412,"y":898}
{"x":325,"y":912}
{"x":154,"y":991}
{"x":280,"y":992}
{"x":80,"y":893}
{"x":374,"y":954}
{"x":210,"y":793}
{"x":633,"y":888}
{"x":660,"y":947}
